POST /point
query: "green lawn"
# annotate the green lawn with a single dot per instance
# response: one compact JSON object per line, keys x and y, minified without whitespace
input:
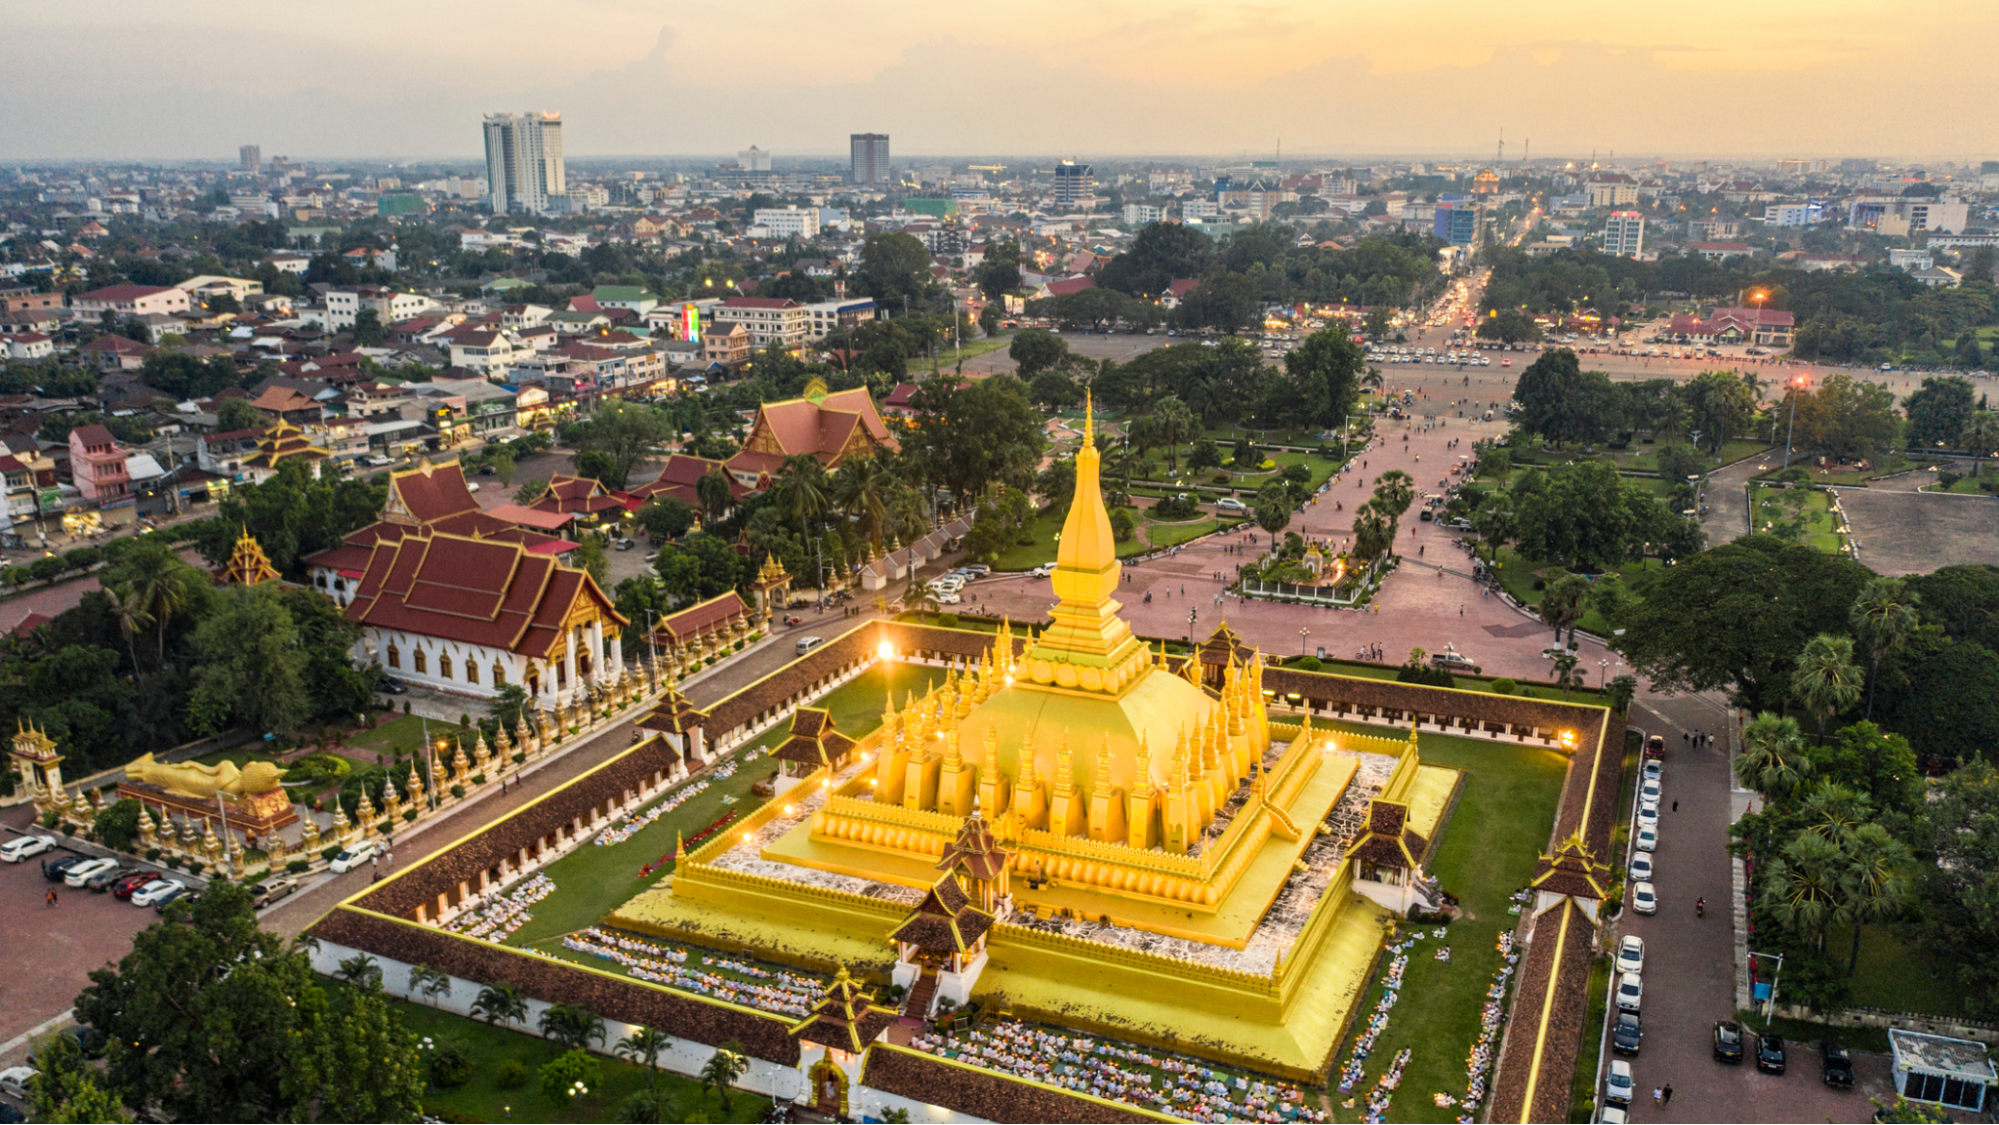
{"x":483,"y":1099}
{"x":1173,"y":534}
{"x":239,"y":757}
{"x":1646,"y":457}
{"x":1821,"y":528}
{"x":594,"y":880}
{"x":1488,"y":852}
{"x":1895,"y":976}
{"x":1887,"y":466}
{"x":1369,"y":671}
{"x":1040,"y":551}
{"x":402,"y":736}
{"x":1965,"y":485}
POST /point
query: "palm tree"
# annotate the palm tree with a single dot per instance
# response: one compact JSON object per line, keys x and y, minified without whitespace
{"x":1562,"y":604}
{"x":1883,"y":618}
{"x":500,"y":1004}
{"x":645,"y":1045}
{"x":1834,"y":811}
{"x":571,"y":1025}
{"x":1496,"y":524}
{"x":1773,"y":760}
{"x":921,"y":599}
{"x":361,"y":970}
{"x":1371,"y":381}
{"x":723,"y":1068}
{"x":1981,"y":434}
{"x":131,"y":613}
{"x":159,"y":580}
{"x":1373,"y":533}
{"x":801,"y":490}
{"x":1826,"y":681}
{"x":431,"y":982}
{"x":1394,"y":491}
{"x":712,"y":489}
{"x":860,"y":487}
{"x":1567,"y":677}
{"x":1172,"y":423}
{"x":1877,"y":880}
{"x":1803,"y":889}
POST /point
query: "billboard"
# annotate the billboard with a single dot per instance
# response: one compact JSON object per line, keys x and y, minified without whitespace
{"x":690,"y":324}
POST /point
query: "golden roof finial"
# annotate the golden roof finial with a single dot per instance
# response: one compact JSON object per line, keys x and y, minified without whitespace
{"x":1103,"y":778}
{"x":1089,"y":421}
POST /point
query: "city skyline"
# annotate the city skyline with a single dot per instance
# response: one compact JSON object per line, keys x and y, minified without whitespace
{"x":1119,"y":81}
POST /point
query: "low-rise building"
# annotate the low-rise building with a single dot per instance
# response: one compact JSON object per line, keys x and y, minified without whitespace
{"x":343,"y":306}
{"x":769,"y":320}
{"x":98,"y":466}
{"x":130,"y":300}
{"x":788,"y":222}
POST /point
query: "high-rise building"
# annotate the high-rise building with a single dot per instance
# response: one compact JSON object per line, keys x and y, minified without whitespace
{"x":753,"y":159}
{"x":1073,"y":183}
{"x":870,"y":158}
{"x":524,"y":161}
{"x":1457,"y":223}
{"x":250,"y":158}
{"x":1624,"y":234}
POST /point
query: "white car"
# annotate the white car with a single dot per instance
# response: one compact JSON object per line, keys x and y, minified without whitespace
{"x":353,"y":857}
{"x":1648,"y":814}
{"x":153,"y":892}
{"x":1641,"y":867}
{"x":14,"y":1081}
{"x":1612,"y":1115}
{"x":948,"y":598}
{"x":1631,"y":954}
{"x":1040,"y":572}
{"x":1630,"y":991}
{"x":81,"y":873}
{"x":1230,"y":504}
{"x":1650,"y":790}
{"x":1654,"y":769}
{"x":21,"y":847}
{"x":1648,"y":839}
{"x":1617,"y":1087}
{"x":1644,"y":899}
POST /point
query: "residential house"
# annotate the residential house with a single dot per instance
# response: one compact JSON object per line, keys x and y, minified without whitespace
{"x":130,"y":300}
{"x":98,"y":466}
{"x":728,"y":345}
{"x":769,"y":320}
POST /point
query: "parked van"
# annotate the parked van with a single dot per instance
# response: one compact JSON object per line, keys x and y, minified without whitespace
{"x":807,"y":644}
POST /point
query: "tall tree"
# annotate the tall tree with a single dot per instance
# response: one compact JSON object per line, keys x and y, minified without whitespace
{"x":860,"y":488}
{"x":1563,"y":603}
{"x":250,"y":666}
{"x":1939,"y":411}
{"x":1884,"y":618}
{"x":1773,"y":759}
{"x":1826,"y":681}
{"x":1034,"y":350}
{"x":1325,"y":370}
{"x":208,"y":1018}
{"x":894,"y":267}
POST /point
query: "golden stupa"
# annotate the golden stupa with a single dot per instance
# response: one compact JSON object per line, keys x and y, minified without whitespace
{"x":1149,"y":858}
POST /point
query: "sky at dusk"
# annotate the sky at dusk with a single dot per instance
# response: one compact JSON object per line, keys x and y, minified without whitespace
{"x":139,"y":79}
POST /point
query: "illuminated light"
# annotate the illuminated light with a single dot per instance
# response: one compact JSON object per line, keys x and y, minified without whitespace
{"x":886,"y":651}
{"x":787,"y":810}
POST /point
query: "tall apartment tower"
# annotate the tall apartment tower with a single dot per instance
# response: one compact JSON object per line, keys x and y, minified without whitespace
{"x":250,"y":158}
{"x":1073,"y":183}
{"x":753,"y":159}
{"x":523,"y":161}
{"x":870,"y":158}
{"x":1624,"y":235}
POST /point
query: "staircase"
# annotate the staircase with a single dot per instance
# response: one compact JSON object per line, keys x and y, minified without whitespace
{"x":921,"y":990}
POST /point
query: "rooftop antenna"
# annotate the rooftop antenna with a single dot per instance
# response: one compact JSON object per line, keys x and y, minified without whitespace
{"x":1501,"y":157}
{"x":1527,"y":147}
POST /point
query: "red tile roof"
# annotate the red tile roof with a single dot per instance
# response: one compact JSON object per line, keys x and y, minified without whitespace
{"x":120,"y":293}
{"x":473,"y":591}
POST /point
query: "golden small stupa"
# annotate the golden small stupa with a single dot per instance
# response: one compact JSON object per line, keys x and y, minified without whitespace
{"x":248,"y":565}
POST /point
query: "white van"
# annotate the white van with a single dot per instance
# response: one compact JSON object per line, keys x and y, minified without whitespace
{"x":807,"y":644}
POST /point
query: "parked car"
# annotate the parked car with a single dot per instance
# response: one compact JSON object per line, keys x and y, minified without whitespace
{"x":394,"y":686}
{"x":1631,"y":954}
{"x":624,"y":545}
{"x":1618,"y":1086}
{"x":1655,"y":769}
{"x":104,"y":880}
{"x":1727,"y":1041}
{"x":80,"y":873}
{"x":977,"y":570}
{"x":807,"y":644}
{"x":1650,"y":790}
{"x":1230,"y":504}
{"x":55,"y":870}
{"x":1770,"y":1053}
{"x":1835,"y":1065}
{"x":152,"y":892}
{"x":14,"y":1081}
{"x":22,"y":847}
{"x":1627,"y":1034}
{"x":1655,"y":746}
{"x":1612,"y":1115}
{"x":1648,"y":839}
{"x":1630,"y":991}
{"x":177,"y":894}
{"x":1039,"y":572}
{"x":270,"y":891}
{"x":1648,"y":814}
{"x":1641,"y":867}
{"x":1644,"y":898}
{"x":1452,"y":659}
{"x":123,"y":888}
{"x":353,"y":856}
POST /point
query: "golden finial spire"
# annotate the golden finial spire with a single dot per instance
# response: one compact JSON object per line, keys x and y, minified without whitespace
{"x":1065,"y":770}
{"x":1026,"y":770}
{"x":1142,"y":781}
{"x":1089,"y":421}
{"x":1102,"y":783}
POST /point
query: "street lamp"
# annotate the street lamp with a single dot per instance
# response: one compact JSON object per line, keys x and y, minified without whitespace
{"x":1192,"y":616}
{"x":1797,"y":385}
{"x":1603,"y":672}
{"x":1303,"y":632}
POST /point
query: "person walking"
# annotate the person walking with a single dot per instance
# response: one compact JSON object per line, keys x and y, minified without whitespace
{"x":1700,"y":908}
{"x":1666,"y":1093}
{"x":51,"y":899}
{"x":375,"y":869}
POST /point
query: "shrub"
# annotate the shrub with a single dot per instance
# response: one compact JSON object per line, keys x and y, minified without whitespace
{"x":174,"y":862}
{"x":1309,"y":664}
{"x":572,"y":1066}
{"x":450,"y":1062}
{"x":478,"y":779}
{"x":511,"y":1074}
{"x":948,"y":620}
{"x":408,"y":815}
{"x":328,"y":853}
{"x":152,"y":855}
{"x":520,"y":756}
{"x":1504,"y":686}
{"x":458,"y":791}
{"x":1540,"y":584}
{"x":297,"y":866}
{"x":406,"y":706}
